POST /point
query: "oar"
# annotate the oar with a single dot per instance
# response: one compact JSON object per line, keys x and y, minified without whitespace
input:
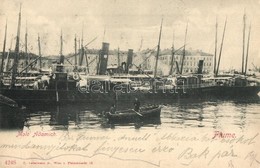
{"x":137,"y":113}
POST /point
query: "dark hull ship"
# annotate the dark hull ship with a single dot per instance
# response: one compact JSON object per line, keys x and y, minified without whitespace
{"x":11,"y":115}
{"x":60,"y":87}
{"x":63,"y":88}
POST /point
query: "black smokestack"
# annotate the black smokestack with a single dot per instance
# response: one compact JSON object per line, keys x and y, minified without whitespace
{"x":62,"y":59}
{"x":103,"y":59}
{"x":200,"y":66}
{"x":129,"y":59}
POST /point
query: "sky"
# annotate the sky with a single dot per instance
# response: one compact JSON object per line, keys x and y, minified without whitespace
{"x":125,"y":23}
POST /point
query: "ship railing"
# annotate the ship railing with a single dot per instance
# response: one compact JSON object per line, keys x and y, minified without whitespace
{"x":188,"y":86}
{"x":192,"y":86}
{"x":203,"y":85}
{"x":25,"y":82}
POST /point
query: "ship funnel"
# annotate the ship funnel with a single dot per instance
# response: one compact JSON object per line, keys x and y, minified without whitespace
{"x":103,"y":59}
{"x":200,"y":66}
{"x":129,"y":59}
{"x":62,"y":59}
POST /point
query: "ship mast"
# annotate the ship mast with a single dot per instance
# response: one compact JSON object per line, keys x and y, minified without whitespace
{"x":216,"y":41}
{"x":247,"y":50}
{"x":16,"y":59}
{"x":79,"y":52}
{"x":26,"y":50}
{"x":141,"y":44}
{"x":61,"y":43}
{"x":82,"y":52}
{"x":3,"y":54}
{"x":158,"y":50}
{"x":40,"y":54}
{"x":220,"y":52}
{"x":172,"y":58}
{"x":75,"y":45}
{"x":61,"y":49}
{"x":243,"y":51}
{"x":183,"y":56}
{"x":7,"y":57}
{"x":118,"y":56}
{"x":86,"y":57}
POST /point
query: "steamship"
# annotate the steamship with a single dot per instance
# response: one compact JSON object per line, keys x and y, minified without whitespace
{"x":60,"y":86}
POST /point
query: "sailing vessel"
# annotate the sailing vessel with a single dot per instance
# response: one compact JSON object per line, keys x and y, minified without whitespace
{"x":233,"y":85}
{"x":63,"y":87}
{"x":57,"y":87}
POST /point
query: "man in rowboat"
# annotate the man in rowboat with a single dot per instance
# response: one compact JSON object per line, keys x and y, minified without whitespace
{"x":137,"y":104}
{"x":113,"y":109}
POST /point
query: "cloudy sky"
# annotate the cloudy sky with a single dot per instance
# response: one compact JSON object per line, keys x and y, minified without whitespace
{"x":127,"y":22}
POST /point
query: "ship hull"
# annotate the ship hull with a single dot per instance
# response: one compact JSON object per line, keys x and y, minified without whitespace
{"x":36,"y":97}
{"x":52,"y":97}
{"x":236,"y":91}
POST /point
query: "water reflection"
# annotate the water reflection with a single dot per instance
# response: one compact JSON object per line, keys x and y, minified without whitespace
{"x":203,"y":114}
{"x":215,"y":114}
{"x":12,"y":117}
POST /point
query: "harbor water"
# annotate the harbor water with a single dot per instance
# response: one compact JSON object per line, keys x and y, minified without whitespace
{"x":236,"y":114}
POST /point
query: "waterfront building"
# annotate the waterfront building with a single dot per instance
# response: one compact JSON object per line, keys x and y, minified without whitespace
{"x":191,"y":60}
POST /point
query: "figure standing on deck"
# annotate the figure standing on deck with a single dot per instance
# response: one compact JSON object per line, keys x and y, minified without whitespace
{"x":113,"y":109}
{"x":136,"y":104}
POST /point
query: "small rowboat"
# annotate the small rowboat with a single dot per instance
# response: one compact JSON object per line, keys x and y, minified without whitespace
{"x":148,"y":113}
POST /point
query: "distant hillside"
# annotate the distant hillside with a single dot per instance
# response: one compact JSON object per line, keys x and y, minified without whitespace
{"x":22,"y":55}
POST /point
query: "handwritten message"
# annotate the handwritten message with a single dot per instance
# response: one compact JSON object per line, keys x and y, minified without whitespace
{"x":153,"y":148}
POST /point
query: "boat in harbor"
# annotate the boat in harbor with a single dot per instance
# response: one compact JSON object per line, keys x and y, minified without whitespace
{"x":52,"y":88}
{"x":145,"y":114}
{"x":233,"y":84}
{"x":11,"y":115}
{"x":66,"y":84}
